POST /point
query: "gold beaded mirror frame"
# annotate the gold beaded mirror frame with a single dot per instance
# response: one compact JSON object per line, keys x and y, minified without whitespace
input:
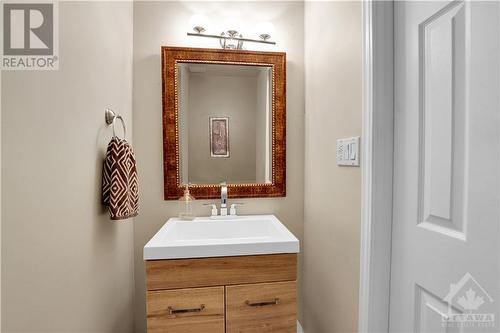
{"x":171,"y":57}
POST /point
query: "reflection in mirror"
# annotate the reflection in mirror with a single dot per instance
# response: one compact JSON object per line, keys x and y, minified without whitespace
{"x":225,"y":123}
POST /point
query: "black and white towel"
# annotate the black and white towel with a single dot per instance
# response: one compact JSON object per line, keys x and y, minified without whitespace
{"x":119,"y":180}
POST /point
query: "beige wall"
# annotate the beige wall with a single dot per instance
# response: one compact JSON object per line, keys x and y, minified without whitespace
{"x":332,"y":194}
{"x":0,"y":201}
{"x":222,"y":96}
{"x":65,"y":266}
{"x":166,"y":23}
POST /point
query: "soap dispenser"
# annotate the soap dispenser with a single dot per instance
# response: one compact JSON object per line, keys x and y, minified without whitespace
{"x":186,"y":205}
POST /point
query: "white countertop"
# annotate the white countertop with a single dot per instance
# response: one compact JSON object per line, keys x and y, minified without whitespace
{"x":221,"y":237}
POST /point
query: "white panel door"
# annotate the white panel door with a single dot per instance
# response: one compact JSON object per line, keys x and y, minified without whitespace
{"x":445,"y":241}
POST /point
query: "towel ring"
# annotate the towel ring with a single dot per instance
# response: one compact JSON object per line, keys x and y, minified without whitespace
{"x":111,"y":117}
{"x":123,"y":125}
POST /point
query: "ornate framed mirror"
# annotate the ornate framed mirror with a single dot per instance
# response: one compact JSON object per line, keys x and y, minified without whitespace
{"x":224,"y":121}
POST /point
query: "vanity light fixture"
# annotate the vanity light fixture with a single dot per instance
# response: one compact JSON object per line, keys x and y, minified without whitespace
{"x":232,"y":39}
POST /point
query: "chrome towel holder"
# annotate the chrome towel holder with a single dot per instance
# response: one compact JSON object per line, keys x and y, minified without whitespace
{"x":110,"y":117}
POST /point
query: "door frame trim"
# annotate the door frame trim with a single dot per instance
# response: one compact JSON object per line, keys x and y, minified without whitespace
{"x":377,"y":171}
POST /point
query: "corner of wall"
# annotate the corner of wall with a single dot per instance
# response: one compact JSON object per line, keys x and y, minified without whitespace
{"x":0,"y":201}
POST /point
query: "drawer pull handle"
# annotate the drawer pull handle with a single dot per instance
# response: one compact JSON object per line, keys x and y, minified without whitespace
{"x":172,"y":311}
{"x":275,"y":301}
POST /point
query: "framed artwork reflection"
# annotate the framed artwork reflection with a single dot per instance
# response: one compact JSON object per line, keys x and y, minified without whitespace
{"x":219,"y":136}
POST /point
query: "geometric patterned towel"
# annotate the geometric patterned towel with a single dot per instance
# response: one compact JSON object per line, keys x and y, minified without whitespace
{"x":119,"y":180}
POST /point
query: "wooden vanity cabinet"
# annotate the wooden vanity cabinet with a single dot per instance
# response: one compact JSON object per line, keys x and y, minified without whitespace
{"x":244,"y":294}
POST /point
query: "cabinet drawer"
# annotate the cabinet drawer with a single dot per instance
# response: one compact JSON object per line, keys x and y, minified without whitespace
{"x":220,"y":271}
{"x":260,"y":308}
{"x":197,"y":310}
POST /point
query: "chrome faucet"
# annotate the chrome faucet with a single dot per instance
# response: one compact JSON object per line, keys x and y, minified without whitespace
{"x":223,"y":203}
{"x":223,"y":199}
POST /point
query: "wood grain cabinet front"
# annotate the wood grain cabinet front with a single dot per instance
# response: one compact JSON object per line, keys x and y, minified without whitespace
{"x":261,"y":308}
{"x":194,"y":310}
{"x":243,"y":294}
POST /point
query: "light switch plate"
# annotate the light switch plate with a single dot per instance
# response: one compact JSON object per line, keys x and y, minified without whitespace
{"x":348,"y":151}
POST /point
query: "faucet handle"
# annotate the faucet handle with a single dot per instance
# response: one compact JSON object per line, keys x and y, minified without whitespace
{"x":214,"y":208}
{"x":232,"y":210}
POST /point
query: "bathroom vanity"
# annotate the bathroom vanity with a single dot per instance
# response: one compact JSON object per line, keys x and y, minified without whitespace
{"x":224,"y":133}
{"x":210,"y":275}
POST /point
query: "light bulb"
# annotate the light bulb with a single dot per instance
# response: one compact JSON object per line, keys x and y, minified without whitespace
{"x":198,"y":23}
{"x":265,"y":30}
{"x":231,"y":24}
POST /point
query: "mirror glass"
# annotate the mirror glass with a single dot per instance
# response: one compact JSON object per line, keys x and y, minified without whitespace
{"x":225,"y":123}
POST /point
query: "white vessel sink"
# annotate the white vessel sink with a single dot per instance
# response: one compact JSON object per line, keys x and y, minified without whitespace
{"x":228,"y":236}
